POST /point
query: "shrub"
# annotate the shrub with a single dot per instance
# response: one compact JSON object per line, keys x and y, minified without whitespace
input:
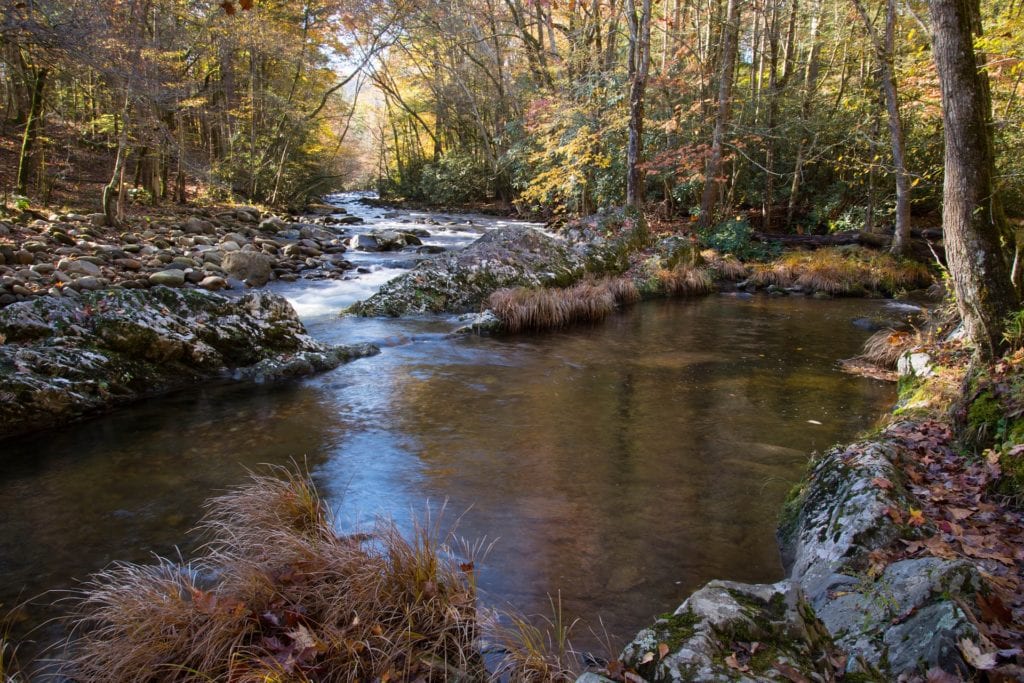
{"x":735,"y":236}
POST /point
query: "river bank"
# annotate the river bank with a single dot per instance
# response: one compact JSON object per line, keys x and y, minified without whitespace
{"x":904,"y":552}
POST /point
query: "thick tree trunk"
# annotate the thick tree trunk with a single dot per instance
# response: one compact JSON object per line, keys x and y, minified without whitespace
{"x":972,"y":220}
{"x":712,"y":181}
{"x":28,"y":140}
{"x":640,"y":61}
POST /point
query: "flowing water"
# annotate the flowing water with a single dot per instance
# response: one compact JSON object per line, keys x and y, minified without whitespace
{"x":622,"y":464}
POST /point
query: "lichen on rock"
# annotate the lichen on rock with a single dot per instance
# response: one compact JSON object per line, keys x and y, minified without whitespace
{"x":63,"y":358}
{"x":459,"y":283}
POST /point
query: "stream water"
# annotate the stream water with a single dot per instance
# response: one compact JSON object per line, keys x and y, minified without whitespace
{"x":622,"y":464}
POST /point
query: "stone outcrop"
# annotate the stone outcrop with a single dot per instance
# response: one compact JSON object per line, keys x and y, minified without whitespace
{"x":61,"y":358}
{"x":838,"y":607}
{"x":460,"y":282}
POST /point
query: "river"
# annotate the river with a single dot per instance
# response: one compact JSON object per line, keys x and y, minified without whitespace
{"x":622,"y":464}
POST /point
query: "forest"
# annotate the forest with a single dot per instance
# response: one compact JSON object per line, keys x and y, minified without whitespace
{"x":613,"y":275}
{"x":792,"y":116}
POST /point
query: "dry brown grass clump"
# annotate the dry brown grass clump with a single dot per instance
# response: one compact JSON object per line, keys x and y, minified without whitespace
{"x":843,"y":271}
{"x":727,"y":267}
{"x":538,"y":653}
{"x":885,"y":347}
{"x":522,"y":308}
{"x":686,"y":280}
{"x":277,"y":596}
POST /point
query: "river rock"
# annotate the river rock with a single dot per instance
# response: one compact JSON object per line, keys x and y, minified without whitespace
{"x":251,"y":267}
{"x":459,"y":282}
{"x":64,"y":358}
{"x":169,"y":278}
{"x":79,"y":266}
{"x":892,"y":622}
{"x":213,"y":283}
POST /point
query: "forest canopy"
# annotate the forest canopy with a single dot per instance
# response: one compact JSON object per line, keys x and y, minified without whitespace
{"x":791,"y":114}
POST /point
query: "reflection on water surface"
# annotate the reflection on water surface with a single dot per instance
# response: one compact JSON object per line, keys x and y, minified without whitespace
{"x":623,"y":464}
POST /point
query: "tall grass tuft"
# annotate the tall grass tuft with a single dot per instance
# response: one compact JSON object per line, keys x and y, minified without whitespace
{"x":278,"y":595}
{"x":885,"y":348}
{"x":686,"y":280}
{"x":538,"y":653}
{"x":843,"y":271}
{"x":591,"y":300}
{"x":726,"y":267}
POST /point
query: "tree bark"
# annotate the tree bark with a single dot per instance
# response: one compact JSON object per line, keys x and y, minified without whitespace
{"x":730,"y":45}
{"x":885,"y":53}
{"x":972,"y":220}
{"x":28,"y":140}
{"x":640,"y":62}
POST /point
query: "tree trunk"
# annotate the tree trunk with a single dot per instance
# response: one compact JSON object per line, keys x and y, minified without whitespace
{"x":885,"y":53}
{"x":730,"y":45}
{"x":972,"y":220}
{"x":640,"y":62}
{"x":28,"y":140}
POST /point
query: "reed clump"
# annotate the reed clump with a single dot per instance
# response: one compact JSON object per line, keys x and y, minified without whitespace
{"x":278,"y":595}
{"x":843,"y":271}
{"x":724,"y":267}
{"x":885,"y":347}
{"x":686,"y":280}
{"x":524,"y":308}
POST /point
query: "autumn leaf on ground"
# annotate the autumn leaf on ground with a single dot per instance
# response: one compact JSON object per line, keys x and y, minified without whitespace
{"x":960,"y":514}
{"x":789,"y":673}
{"x":975,"y":657}
{"x":916,"y":518}
{"x":246,"y":4}
{"x":228,"y":7}
{"x":882,"y":483}
{"x":663,"y":650}
{"x":993,"y":609}
{"x":734,"y":663}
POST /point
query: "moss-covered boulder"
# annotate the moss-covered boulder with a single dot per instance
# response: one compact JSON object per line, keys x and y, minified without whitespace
{"x":61,"y":358}
{"x":513,"y":256}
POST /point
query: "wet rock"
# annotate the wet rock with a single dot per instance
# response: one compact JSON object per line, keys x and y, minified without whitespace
{"x":460,"y":282}
{"x":349,"y":220}
{"x":363,"y":243}
{"x":66,"y":357}
{"x":251,"y":267}
{"x":168,"y":278}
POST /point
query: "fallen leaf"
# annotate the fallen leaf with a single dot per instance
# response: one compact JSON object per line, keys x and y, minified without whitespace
{"x":734,"y":663}
{"x":663,"y":650}
{"x":813,"y":422}
{"x":937,"y":675}
{"x":975,"y":657}
{"x":894,"y":514}
{"x":790,"y":673}
{"x":648,"y":657}
{"x":960,"y":514}
{"x":228,"y":7}
{"x":993,"y":609}
{"x":916,"y":518}
{"x":882,"y":483}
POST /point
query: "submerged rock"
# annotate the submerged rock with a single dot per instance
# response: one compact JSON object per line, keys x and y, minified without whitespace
{"x":61,"y":358}
{"x":459,"y":282}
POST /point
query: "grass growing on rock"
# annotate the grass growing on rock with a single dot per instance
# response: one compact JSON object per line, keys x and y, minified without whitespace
{"x":842,"y":271}
{"x":278,"y":595}
{"x":524,"y":308}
